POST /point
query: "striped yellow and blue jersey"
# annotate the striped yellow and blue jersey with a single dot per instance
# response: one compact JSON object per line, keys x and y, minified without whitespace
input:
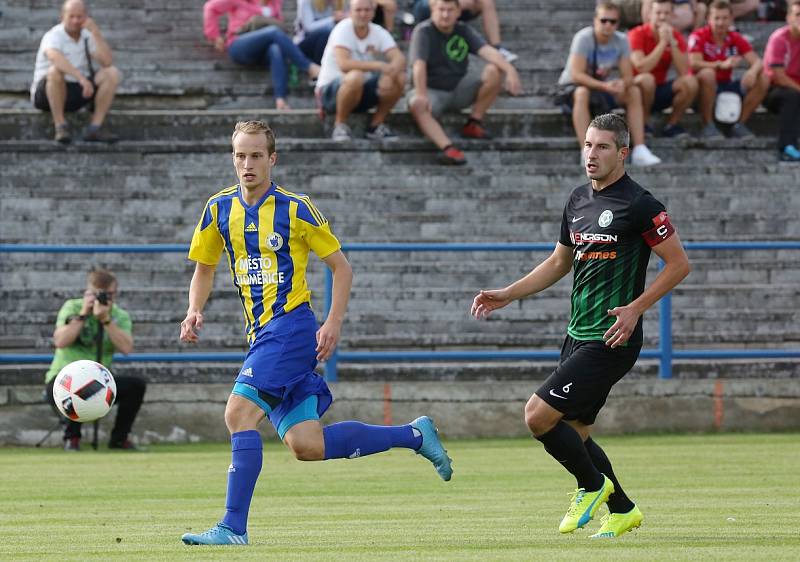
{"x":267,"y":246}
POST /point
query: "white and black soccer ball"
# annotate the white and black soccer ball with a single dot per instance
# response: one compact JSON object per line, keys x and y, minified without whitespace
{"x":84,"y":391}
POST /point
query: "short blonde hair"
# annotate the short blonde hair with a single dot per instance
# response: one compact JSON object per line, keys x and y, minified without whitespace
{"x":255,"y":128}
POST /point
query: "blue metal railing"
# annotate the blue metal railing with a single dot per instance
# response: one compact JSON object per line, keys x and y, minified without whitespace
{"x":664,"y":352}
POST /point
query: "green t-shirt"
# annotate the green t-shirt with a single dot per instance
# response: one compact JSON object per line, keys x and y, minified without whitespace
{"x":85,"y":345}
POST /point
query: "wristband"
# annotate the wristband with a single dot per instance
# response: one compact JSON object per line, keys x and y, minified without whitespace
{"x":82,"y":317}
{"x":107,"y":322}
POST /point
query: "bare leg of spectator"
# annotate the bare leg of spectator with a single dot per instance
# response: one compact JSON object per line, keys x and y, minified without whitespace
{"x":756,"y":92}
{"x":429,"y":126}
{"x":56,"y":89}
{"x":739,"y":9}
{"x":389,"y":10}
{"x":107,"y":79}
{"x":647,"y":85}
{"x":685,"y":90}
{"x":390,"y":89}
{"x":491,"y":23}
{"x":581,"y":116}
{"x":708,"y":94}
{"x":349,"y":94}
{"x":491,"y":84}
{"x":633,"y":111}
{"x":700,"y":10}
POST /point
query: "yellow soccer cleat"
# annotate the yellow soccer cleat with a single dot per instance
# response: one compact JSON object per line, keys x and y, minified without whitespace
{"x":584,"y":505}
{"x":616,"y":524}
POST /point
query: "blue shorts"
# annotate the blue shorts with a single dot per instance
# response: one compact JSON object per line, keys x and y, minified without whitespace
{"x":734,"y":86}
{"x":369,"y":95}
{"x":278,"y":371}
{"x":663,"y":96}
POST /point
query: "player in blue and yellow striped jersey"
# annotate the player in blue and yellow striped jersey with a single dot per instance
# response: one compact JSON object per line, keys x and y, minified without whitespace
{"x":266,"y":233}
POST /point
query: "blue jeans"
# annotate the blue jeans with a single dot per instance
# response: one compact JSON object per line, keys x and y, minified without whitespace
{"x":270,"y":47}
{"x":313,"y":43}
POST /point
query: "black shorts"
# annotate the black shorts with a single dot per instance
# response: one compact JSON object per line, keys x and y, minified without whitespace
{"x":74,"y":101}
{"x":579,"y":386}
{"x":663,"y":96}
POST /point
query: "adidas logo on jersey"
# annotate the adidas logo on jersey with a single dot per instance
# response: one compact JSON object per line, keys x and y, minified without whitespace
{"x":247,"y":372}
{"x":251,"y":227}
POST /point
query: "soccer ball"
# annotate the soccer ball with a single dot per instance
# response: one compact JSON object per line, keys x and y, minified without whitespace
{"x":84,"y":391}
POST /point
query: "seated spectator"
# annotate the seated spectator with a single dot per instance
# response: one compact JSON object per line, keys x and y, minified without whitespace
{"x":314,"y":23}
{"x":442,"y":80}
{"x":355,"y":77}
{"x":588,"y":84}
{"x":714,"y":51}
{"x":782,"y":62}
{"x":64,"y":78}
{"x":471,"y":9}
{"x":655,"y":47}
{"x":254,"y":38}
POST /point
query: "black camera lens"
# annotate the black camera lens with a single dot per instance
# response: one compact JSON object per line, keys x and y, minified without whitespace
{"x":102,"y":297}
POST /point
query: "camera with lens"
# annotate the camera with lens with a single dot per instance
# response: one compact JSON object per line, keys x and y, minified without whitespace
{"x":102,"y":297}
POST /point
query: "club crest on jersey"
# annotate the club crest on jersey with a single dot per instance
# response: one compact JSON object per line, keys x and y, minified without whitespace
{"x":274,"y":241}
{"x":605,"y":218}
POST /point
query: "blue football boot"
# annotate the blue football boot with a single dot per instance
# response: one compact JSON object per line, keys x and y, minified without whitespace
{"x":432,"y":448}
{"x":218,"y":534}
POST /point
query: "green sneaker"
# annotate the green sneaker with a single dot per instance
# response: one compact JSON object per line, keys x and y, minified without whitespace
{"x":584,"y":505}
{"x":616,"y":524}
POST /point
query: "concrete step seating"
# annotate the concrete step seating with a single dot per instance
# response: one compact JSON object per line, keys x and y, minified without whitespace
{"x":172,"y":117}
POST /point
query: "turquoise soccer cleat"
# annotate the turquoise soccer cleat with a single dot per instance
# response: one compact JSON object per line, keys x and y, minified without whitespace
{"x":218,"y":534}
{"x":432,"y":448}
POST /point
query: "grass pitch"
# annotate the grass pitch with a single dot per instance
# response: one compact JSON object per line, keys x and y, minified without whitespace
{"x":705,"y":497}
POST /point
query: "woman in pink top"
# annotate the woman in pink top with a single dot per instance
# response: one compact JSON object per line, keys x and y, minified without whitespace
{"x":268,"y":46}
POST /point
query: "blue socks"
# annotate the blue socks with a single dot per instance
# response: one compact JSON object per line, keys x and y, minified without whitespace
{"x":352,"y":439}
{"x":246,"y":459}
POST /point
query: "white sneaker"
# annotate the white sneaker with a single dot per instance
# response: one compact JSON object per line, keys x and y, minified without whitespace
{"x":641,"y":156}
{"x":508,"y":55}
{"x":341,"y":133}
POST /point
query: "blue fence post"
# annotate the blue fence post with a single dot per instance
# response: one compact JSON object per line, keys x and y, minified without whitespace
{"x":330,"y":364}
{"x":665,"y":333}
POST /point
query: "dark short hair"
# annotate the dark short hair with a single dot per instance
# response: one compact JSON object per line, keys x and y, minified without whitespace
{"x":616,"y":124}
{"x":446,"y":1}
{"x":101,"y":278}
{"x":663,"y":2}
{"x":720,"y":5}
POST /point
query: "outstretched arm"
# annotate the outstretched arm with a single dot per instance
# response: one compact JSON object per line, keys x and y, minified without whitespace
{"x":199,"y":291}
{"x":328,"y":334}
{"x":676,"y":267}
{"x":547,"y":273}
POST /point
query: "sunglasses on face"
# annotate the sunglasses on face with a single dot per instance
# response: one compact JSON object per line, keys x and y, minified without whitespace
{"x":611,"y":21}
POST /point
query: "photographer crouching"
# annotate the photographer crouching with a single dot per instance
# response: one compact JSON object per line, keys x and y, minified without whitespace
{"x":94,"y":327}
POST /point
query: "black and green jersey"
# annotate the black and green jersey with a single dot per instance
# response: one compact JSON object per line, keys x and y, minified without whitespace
{"x":611,"y":232}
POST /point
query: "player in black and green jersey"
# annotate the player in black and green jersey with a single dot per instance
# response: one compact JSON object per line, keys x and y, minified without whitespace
{"x":607,"y":231}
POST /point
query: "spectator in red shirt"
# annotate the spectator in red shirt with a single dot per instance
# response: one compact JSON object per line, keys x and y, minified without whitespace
{"x":782,"y":62}
{"x":655,"y":47}
{"x":714,"y":51}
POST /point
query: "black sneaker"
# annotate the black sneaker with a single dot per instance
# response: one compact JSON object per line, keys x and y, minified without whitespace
{"x":126,"y":445}
{"x":674,"y":132}
{"x":96,"y":134}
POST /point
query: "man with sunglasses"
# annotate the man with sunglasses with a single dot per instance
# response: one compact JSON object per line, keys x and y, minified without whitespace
{"x":85,"y":328}
{"x":598,"y":77}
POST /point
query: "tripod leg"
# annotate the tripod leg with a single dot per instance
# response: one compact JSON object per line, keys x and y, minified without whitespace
{"x":48,"y":434}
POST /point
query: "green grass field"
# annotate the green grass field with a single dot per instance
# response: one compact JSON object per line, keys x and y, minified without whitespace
{"x":705,"y":497}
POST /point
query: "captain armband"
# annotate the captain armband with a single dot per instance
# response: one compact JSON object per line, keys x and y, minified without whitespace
{"x":662,"y":230}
